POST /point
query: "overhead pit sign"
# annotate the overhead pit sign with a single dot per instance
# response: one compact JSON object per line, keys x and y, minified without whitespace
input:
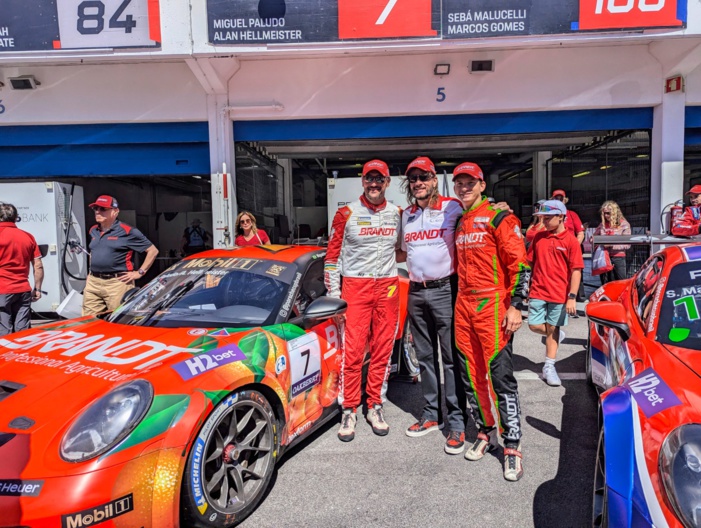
{"x":306,"y":21}
{"x":36,"y":25}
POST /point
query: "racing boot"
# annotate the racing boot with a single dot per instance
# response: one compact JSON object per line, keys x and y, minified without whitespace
{"x":376,"y":418}
{"x":346,"y":432}
{"x":486,"y":441}
{"x":513,"y":468}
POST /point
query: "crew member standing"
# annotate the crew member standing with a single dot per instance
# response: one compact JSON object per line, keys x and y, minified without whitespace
{"x":363,"y":244}
{"x":689,"y":224}
{"x":18,"y":250}
{"x":194,"y":238}
{"x":112,"y":247}
{"x":428,"y":238}
{"x":493,"y":276}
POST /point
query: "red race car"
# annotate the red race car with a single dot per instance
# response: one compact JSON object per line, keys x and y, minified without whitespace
{"x":174,"y":409}
{"x":645,"y":356}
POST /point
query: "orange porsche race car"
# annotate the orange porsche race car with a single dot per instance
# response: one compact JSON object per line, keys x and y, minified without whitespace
{"x":172,"y":410}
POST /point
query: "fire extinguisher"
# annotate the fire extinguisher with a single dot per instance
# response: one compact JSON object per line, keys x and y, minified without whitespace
{"x":676,"y":212}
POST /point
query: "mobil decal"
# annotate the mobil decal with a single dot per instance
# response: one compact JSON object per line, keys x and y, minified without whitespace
{"x":99,"y":514}
{"x":428,"y":234}
{"x":378,"y":231}
{"x":651,"y":393}
{"x":136,"y":353}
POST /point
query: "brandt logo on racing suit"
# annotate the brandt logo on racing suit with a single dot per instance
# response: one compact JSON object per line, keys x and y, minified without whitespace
{"x":99,"y":514}
{"x":20,"y":488}
{"x":512,"y":411}
{"x":470,"y":238}
{"x":651,"y":393}
{"x":378,"y":231}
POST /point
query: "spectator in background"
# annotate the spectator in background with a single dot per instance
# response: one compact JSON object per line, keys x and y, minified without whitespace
{"x":689,"y":224}
{"x":195,"y":238}
{"x":613,"y":223}
{"x":112,"y":247}
{"x":247,"y":232}
{"x":536,"y":224}
{"x":574,"y":225}
{"x":18,"y":250}
{"x":556,"y":260}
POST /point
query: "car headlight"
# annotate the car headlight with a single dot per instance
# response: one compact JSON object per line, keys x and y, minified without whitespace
{"x":680,"y":468}
{"x":107,"y":421}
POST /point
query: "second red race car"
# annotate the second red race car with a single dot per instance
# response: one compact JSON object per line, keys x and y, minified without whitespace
{"x":645,"y":357}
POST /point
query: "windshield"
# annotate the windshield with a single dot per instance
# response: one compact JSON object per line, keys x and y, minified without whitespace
{"x":680,"y":317}
{"x":234,"y":292}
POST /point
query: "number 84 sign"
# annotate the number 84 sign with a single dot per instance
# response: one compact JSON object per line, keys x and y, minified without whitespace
{"x":108,"y":23}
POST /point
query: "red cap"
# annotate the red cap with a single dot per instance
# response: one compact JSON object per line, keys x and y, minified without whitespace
{"x":105,"y":200}
{"x":470,"y":169}
{"x":559,"y":192}
{"x":376,"y":165}
{"x":423,"y":163}
{"x":696,"y":189}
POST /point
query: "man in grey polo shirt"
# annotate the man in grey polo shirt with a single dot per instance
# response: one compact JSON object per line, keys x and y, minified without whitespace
{"x":112,"y":247}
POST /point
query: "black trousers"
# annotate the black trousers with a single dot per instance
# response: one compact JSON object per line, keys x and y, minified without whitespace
{"x":14,"y":312}
{"x":431,"y":316}
{"x":617,"y":273}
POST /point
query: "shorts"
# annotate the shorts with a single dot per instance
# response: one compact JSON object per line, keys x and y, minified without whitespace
{"x":540,"y":312}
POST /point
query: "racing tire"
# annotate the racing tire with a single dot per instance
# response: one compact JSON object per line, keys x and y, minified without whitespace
{"x":600,"y":494}
{"x":405,"y":351}
{"x":231,"y":462}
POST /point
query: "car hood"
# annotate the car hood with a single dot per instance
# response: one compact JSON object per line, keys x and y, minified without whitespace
{"x":690,"y":358}
{"x":64,"y":367}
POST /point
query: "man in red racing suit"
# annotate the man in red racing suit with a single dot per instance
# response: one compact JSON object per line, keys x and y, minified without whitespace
{"x":362,"y":247}
{"x":493,"y":275}
{"x":689,"y":224}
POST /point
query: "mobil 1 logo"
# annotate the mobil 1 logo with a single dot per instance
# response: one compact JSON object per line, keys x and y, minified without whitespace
{"x":98,"y":514}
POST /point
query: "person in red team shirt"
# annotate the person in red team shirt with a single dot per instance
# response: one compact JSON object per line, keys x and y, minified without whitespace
{"x":18,"y":250}
{"x":556,"y":260}
{"x":493,"y":279}
{"x":689,"y":224}
{"x":362,"y":246}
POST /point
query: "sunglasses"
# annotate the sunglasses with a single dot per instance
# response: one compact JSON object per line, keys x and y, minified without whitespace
{"x":548,"y":209}
{"x":607,"y":212}
{"x":245,"y":221}
{"x":374,"y":179}
{"x":100,"y":209}
{"x":426,"y":176}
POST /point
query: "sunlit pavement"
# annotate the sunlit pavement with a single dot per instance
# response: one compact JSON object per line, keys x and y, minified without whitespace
{"x":401,"y":481}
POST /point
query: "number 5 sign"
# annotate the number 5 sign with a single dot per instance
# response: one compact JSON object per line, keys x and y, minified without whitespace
{"x":108,"y":23}
{"x":368,"y":19}
{"x":623,"y":14}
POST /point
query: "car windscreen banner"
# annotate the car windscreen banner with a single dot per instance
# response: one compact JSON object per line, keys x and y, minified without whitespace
{"x":303,"y":21}
{"x":680,"y":316}
{"x":36,"y":25}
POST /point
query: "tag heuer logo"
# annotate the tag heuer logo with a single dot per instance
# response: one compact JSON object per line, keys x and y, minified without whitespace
{"x":98,"y":514}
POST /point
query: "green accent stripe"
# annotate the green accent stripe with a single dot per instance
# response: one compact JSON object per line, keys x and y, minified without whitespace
{"x":497,"y":338}
{"x":494,"y":265}
{"x":472,"y":384}
{"x":482,"y":303}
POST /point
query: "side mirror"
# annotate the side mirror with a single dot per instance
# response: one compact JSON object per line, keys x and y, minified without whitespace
{"x":319,"y":310}
{"x":129,"y":294}
{"x":610,"y":314}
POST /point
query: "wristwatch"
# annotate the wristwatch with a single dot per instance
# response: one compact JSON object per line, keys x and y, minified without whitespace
{"x":141,"y":272}
{"x":572,"y":296}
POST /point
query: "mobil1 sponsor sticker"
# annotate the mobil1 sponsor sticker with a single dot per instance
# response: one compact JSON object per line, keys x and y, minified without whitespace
{"x":98,"y":514}
{"x":651,"y":393}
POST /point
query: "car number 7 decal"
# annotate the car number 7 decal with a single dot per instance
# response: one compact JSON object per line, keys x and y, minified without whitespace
{"x":385,"y":12}
{"x":305,"y":363}
{"x":692,"y":310}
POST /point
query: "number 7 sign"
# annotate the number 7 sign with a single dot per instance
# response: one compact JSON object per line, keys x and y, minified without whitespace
{"x":369,"y":19}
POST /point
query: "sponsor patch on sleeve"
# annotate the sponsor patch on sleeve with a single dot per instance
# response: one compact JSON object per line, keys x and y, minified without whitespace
{"x":651,"y":393}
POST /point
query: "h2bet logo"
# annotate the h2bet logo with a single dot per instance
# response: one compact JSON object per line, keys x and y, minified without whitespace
{"x":623,"y":14}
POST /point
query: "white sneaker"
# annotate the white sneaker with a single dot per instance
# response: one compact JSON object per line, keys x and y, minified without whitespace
{"x":346,"y":432}
{"x":550,"y":376}
{"x":562,"y":336}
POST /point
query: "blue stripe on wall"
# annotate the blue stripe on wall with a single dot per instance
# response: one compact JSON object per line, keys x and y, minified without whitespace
{"x":692,"y":117}
{"x":444,"y":125}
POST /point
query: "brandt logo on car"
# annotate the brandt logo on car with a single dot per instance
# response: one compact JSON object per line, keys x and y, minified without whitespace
{"x":20,"y":488}
{"x":651,"y":393}
{"x":98,"y":514}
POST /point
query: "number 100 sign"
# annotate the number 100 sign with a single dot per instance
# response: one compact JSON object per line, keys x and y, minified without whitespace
{"x":622,"y":14}
{"x":108,"y":23}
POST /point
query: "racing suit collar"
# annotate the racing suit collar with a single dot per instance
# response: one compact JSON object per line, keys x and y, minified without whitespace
{"x":478,"y":203}
{"x":8,"y":224}
{"x":374,"y":208}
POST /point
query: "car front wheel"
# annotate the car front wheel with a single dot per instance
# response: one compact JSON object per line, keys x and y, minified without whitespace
{"x":231,"y":462}
{"x":600,"y":495}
